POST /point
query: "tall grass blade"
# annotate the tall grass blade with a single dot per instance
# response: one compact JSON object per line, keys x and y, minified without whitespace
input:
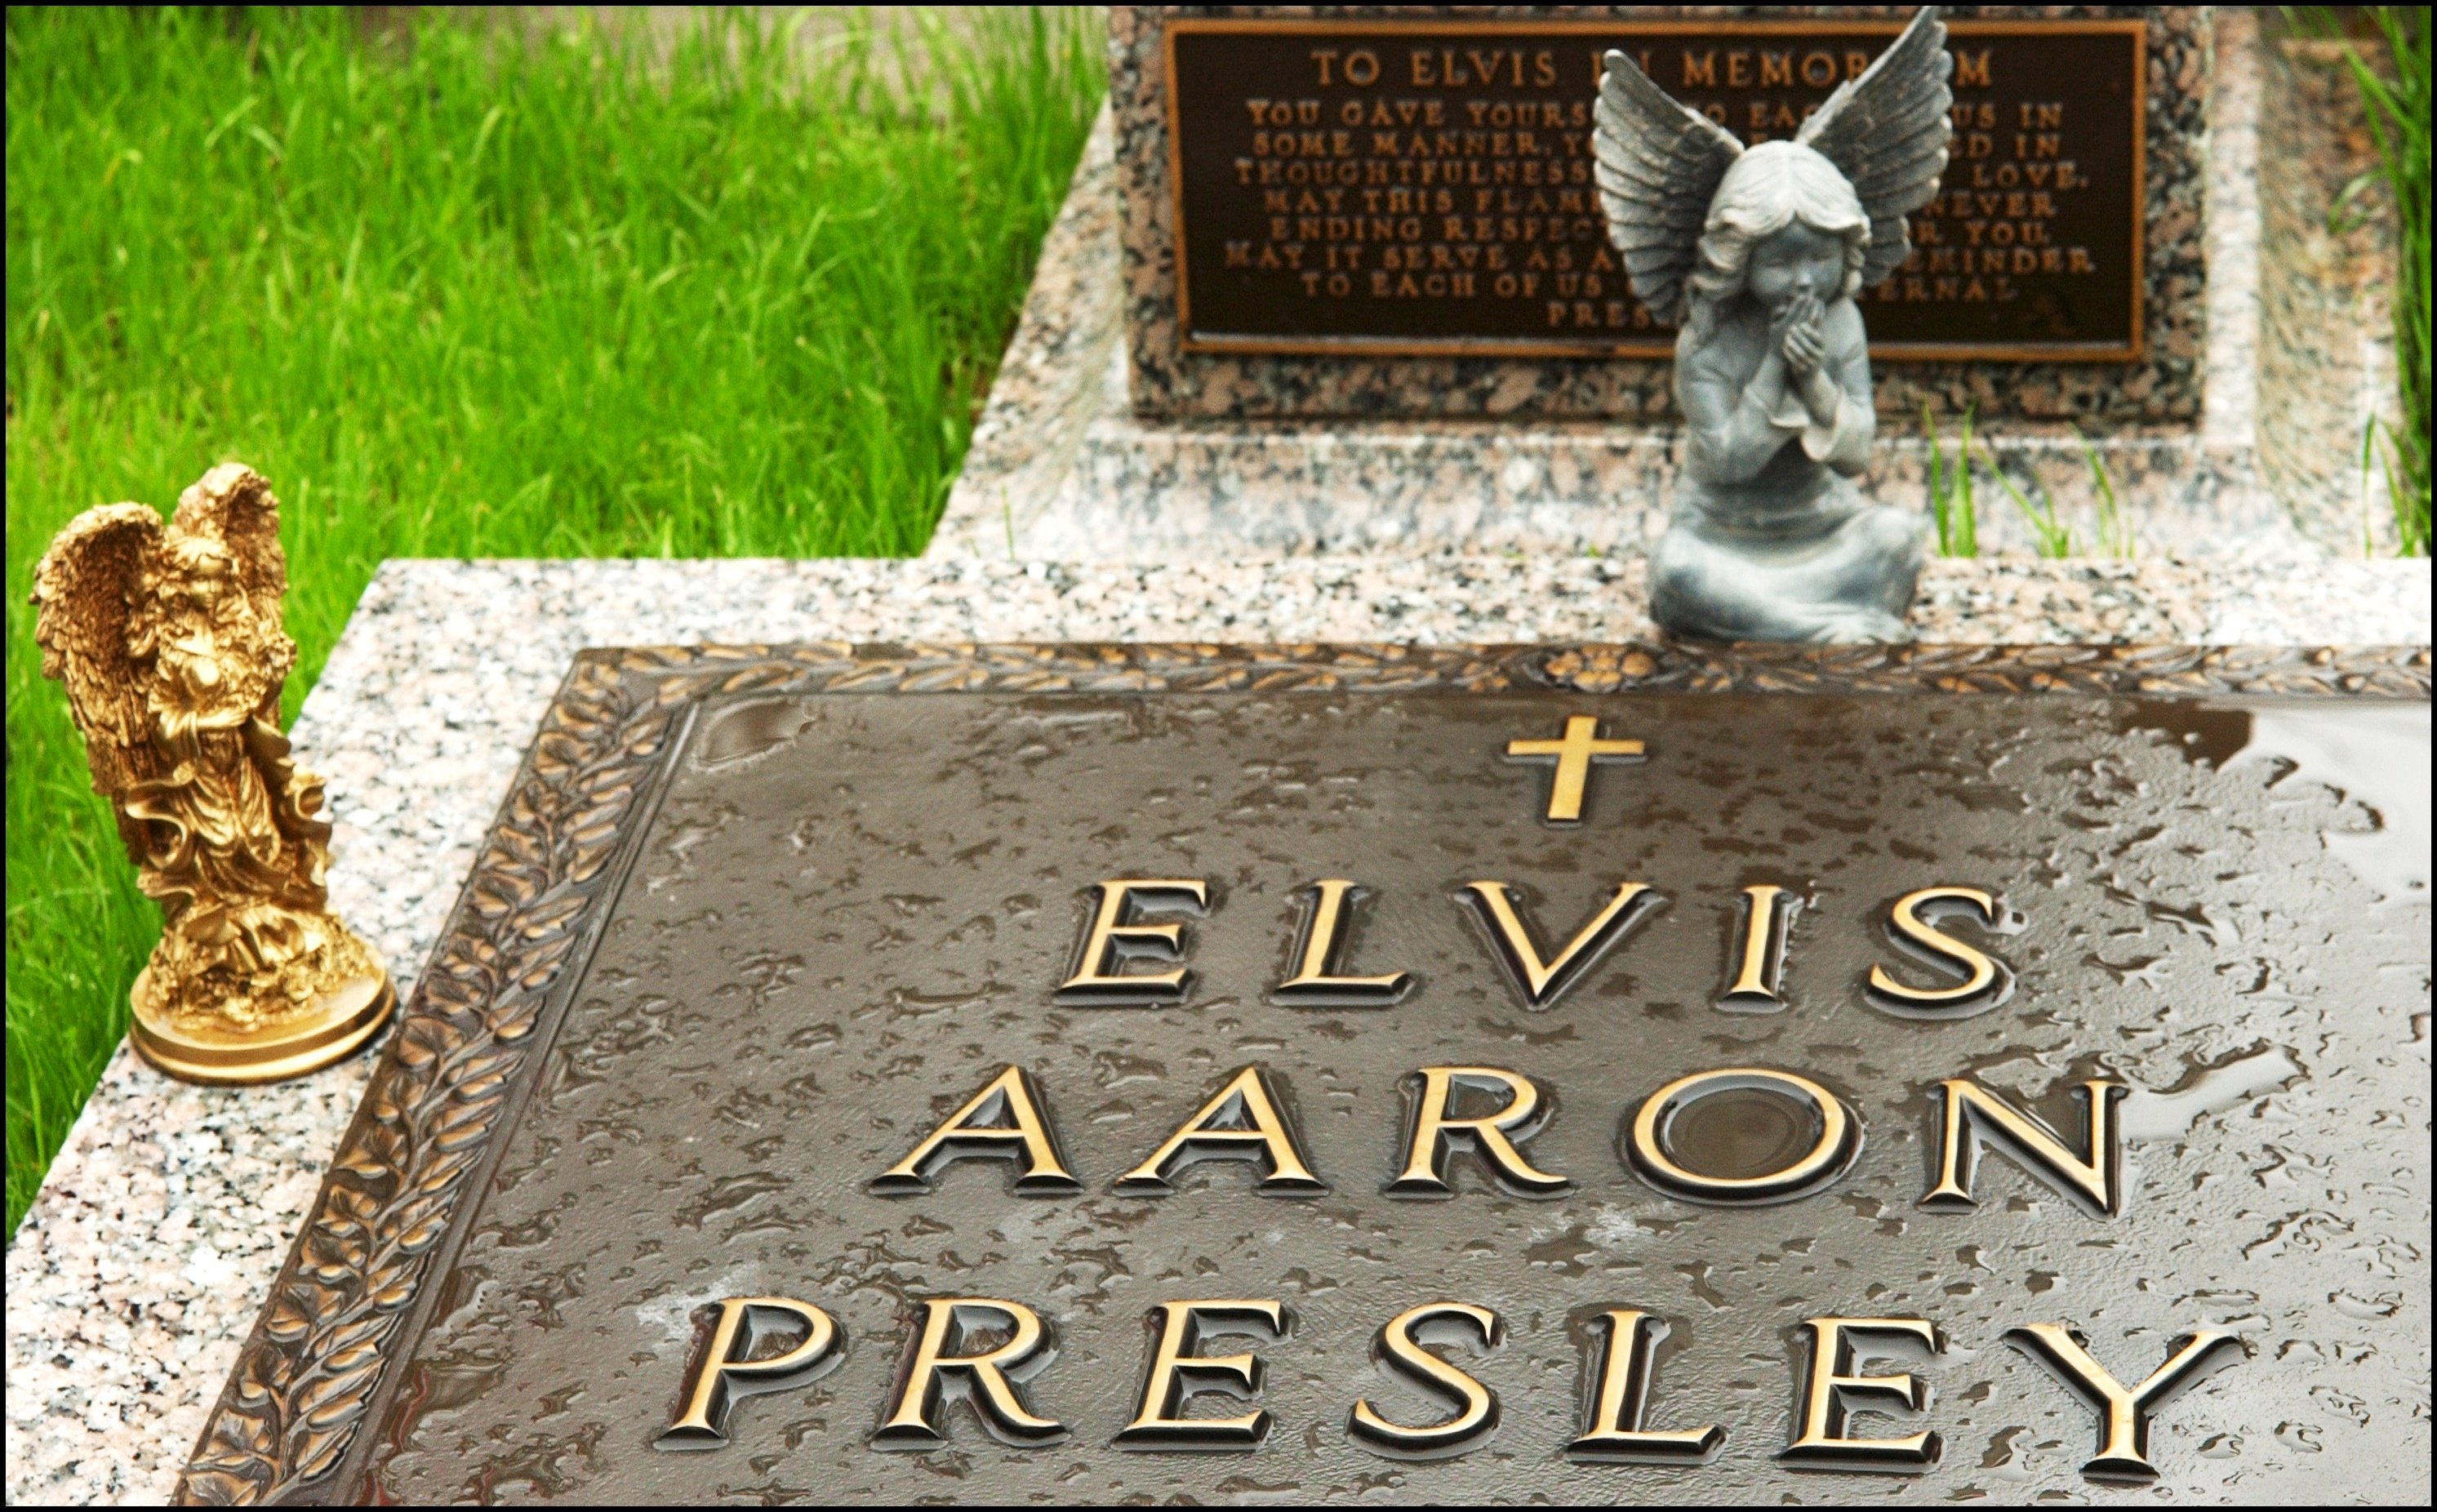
{"x":1950,"y":488}
{"x":2114,"y":532}
{"x":2050,"y":536}
{"x":2397,"y":97}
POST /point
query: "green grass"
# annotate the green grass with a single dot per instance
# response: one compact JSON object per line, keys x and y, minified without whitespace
{"x":1950,"y":488}
{"x":2052,"y":535}
{"x":2112,"y":531}
{"x":1957,"y":515}
{"x":457,"y":296}
{"x":2398,"y":111}
{"x":2386,"y":47}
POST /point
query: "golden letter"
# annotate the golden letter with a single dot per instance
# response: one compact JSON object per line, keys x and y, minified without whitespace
{"x":1969,"y":1114}
{"x":946,"y":1323}
{"x":1835,"y":1143}
{"x":1003,"y":1121}
{"x":1821,"y":1443}
{"x":1099,"y":975}
{"x":2123,"y":1416}
{"x":1435,"y":1133}
{"x":1242,"y":1122}
{"x":728,"y":1373}
{"x":1767,"y":913}
{"x":1476,"y":1404}
{"x":1544,"y":982}
{"x":1985,"y":982}
{"x":1613,"y":1431}
{"x":1175,"y":1366}
{"x":1321,"y":936}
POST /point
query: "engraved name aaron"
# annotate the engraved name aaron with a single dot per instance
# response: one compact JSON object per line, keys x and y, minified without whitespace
{"x":1135,"y":950}
{"x":1429,"y":188}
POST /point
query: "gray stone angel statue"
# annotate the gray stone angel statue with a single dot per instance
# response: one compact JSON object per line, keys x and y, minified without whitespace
{"x":1757,"y":254}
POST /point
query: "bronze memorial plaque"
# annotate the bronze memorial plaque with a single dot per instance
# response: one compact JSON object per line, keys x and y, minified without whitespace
{"x":1342,"y":1072}
{"x":1401,"y":187}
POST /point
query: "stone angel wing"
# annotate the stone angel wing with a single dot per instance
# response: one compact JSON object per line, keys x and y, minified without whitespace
{"x":85,"y":592}
{"x":1886,"y":132}
{"x":1659,"y":163}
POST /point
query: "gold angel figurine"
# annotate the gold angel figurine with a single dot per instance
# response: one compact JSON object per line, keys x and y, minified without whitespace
{"x":168,"y":642}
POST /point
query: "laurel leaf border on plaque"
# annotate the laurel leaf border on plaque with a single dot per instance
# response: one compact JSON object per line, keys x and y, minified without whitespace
{"x":312,"y":1369}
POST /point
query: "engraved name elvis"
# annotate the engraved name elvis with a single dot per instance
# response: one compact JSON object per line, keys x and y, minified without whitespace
{"x":993,"y":1354}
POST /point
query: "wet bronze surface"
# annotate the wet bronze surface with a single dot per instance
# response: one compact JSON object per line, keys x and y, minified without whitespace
{"x":827,"y":918}
{"x":1425,"y":188}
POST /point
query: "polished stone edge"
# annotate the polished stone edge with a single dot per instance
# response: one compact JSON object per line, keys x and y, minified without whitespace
{"x":151,"y":1247}
{"x":314,"y":1371}
{"x":1062,"y":467}
{"x":1026,"y":439}
{"x":1128,"y":490}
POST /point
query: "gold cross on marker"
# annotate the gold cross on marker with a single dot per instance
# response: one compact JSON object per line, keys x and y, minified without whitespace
{"x":1574,"y":754}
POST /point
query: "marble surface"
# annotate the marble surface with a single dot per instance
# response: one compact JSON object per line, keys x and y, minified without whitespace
{"x":2163,"y":387}
{"x":1063,"y":469}
{"x":1050,"y":387}
{"x":152,"y":1244}
{"x":2326,"y":349}
{"x":2230,"y":398}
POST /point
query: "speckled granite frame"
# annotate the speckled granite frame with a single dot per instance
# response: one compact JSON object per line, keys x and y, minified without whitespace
{"x":151,"y":1247}
{"x":1060,"y":468}
{"x":315,"y":1369}
{"x":2163,"y":388}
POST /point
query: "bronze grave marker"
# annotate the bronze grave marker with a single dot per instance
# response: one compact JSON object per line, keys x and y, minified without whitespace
{"x":1425,"y":188}
{"x":1083,"y":1073}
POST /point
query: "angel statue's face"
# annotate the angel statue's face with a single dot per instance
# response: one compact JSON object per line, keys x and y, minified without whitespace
{"x":1794,"y":260}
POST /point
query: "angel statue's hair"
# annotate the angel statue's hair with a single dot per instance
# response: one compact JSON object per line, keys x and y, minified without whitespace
{"x":1769,"y":187}
{"x":1685,"y":201}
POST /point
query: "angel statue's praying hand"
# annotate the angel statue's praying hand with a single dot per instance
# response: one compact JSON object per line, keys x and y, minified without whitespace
{"x":1758,"y":254}
{"x":169,"y":640}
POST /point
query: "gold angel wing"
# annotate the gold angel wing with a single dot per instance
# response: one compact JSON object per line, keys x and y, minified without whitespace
{"x":232,"y":505}
{"x":1659,"y":163}
{"x":84,"y":595}
{"x":1886,"y":132}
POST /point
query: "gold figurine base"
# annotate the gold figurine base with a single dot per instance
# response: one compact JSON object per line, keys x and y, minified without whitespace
{"x":337,"y":1026}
